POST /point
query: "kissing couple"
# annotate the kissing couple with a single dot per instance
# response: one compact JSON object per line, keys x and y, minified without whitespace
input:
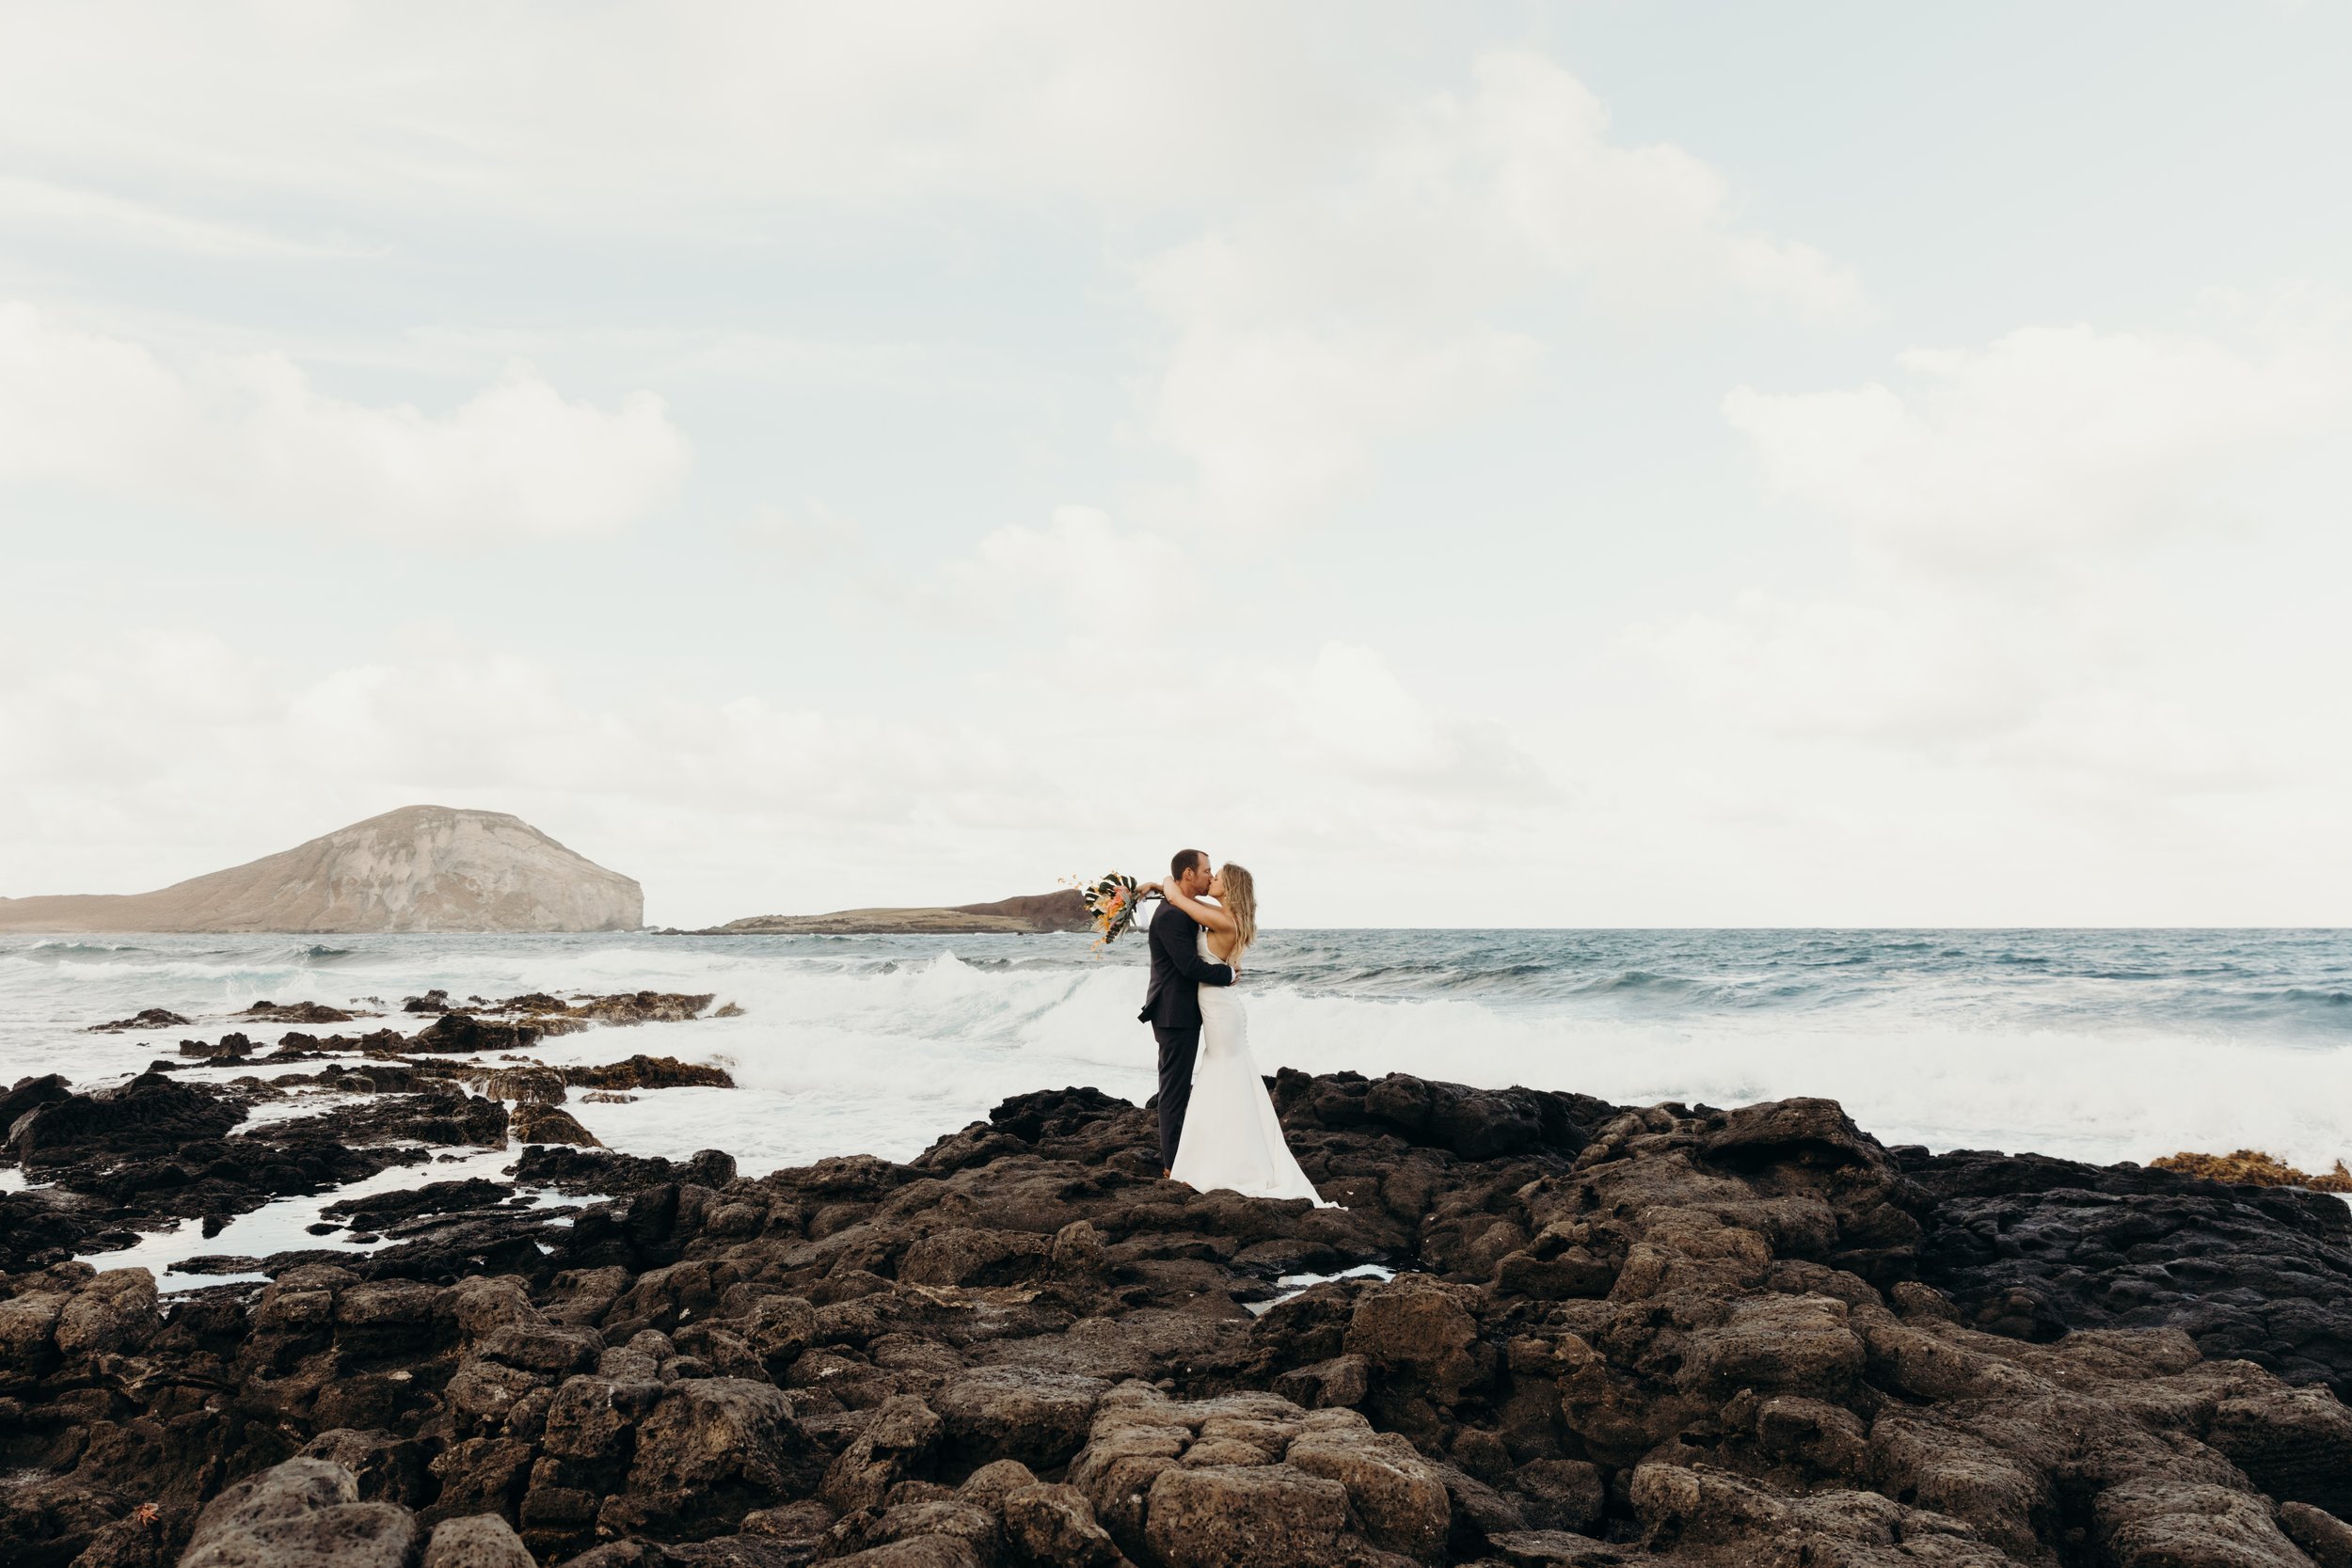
{"x":1218,"y":1127}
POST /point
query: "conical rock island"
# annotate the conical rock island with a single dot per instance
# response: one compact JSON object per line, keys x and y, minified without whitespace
{"x":421,"y":868}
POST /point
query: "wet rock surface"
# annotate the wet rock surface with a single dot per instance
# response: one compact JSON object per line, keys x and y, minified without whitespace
{"x":266,"y":1011}
{"x":648,"y":1072}
{"x":149,"y":1115}
{"x":459,"y":1026}
{"x":155,"y":1150}
{"x":149,"y":1018}
{"x":99,"y":1191}
{"x":2032,"y":1247}
{"x":536,"y":1124}
{"x":1715,"y":1337}
{"x":548,"y":1014}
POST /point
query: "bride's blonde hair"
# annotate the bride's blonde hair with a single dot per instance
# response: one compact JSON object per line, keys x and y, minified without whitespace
{"x":1241,"y":902}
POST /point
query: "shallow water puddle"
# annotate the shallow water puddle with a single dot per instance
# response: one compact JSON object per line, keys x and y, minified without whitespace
{"x":1292,"y":1284}
{"x":283,"y":1225}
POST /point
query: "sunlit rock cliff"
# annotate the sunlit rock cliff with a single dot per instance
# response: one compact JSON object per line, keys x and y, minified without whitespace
{"x":421,"y":868}
{"x":1063,"y":910}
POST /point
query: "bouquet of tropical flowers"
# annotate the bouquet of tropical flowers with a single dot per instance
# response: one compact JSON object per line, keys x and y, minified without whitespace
{"x":1111,"y":900}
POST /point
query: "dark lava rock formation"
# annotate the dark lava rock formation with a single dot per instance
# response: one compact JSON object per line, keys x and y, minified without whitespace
{"x":156,"y":1149}
{"x":1542,"y":1330}
{"x":2032,"y":1247}
{"x":468,"y":1027}
{"x":150,"y":1017}
{"x":266,"y":1011}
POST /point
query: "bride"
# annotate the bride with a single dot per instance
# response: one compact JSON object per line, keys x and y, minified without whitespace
{"x":1232,"y":1138}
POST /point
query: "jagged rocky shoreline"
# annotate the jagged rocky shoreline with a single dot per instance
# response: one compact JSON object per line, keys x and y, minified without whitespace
{"x":155,"y":1151}
{"x":1542,"y":1330}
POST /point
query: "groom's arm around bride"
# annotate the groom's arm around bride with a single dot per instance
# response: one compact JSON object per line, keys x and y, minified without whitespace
{"x":1172,"y":1003}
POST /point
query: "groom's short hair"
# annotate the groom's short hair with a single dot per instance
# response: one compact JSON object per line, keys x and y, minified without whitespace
{"x":1186,"y":860}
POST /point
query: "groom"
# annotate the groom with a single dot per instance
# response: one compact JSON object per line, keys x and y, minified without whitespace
{"x":1172,"y":1004}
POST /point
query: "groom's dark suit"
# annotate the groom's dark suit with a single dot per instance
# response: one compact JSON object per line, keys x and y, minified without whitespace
{"x":1172,"y":1008}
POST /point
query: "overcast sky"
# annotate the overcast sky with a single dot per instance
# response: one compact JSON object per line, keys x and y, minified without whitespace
{"x":1599,"y":463}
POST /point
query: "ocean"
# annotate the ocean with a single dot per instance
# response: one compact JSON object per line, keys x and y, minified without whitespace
{"x":2097,"y":1045}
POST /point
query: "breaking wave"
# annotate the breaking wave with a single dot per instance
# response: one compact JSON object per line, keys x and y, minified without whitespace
{"x":2098,"y":1045}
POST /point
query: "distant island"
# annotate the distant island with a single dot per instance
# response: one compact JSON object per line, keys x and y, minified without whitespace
{"x":421,"y":868}
{"x":1034,"y":912}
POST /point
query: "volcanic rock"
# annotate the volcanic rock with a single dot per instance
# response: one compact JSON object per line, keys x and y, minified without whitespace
{"x":439,"y":1113}
{"x":2327,"y":1538}
{"x":476,"y":1540}
{"x":149,"y":1018}
{"x":1055,"y":1524}
{"x":27,"y":1093}
{"x":303,"y":1514}
{"x":2031,"y":1246}
{"x":645,"y":1006}
{"x":434,"y":1197}
{"x":529,"y":1084}
{"x":1036,"y":1415}
{"x":294,"y":1012}
{"x":150,"y":1115}
{"x":534,"y":1122}
{"x":464,"y":1033}
{"x":605,"y":1173}
{"x":229,"y":1047}
{"x":156,"y":1150}
{"x":386,"y":1469}
{"x":648,"y":1072}
{"x":1672,"y":1335}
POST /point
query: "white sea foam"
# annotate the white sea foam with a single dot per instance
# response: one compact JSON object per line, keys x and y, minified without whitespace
{"x":2104,"y":1096}
{"x":886,"y":1062}
{"x":876,"y":1045}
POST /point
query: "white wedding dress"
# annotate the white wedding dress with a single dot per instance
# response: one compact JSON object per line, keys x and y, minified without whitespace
{"x":1232,"y":1139}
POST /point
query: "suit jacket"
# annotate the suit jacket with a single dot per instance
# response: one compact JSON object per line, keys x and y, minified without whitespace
{"x":1178,"y":971}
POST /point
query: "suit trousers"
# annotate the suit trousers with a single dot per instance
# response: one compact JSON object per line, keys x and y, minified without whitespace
{"x":1178,"y":1047}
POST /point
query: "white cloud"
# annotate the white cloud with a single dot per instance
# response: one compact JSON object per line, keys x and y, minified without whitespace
{"x":1913,"y":667}
{"x":2104,"y":711}
{"x":1526,"y":166}
{"x":1458,"y":203}
{"x":1281,"y":422}
{"x":1356,"y":243}
{"x":2090,"y":597}
{"x":1368,"y":306}
{"x":1351,"y":711}
{"x":726,"y":803}
{"x":810,"y":533}
{"x":249,"y":437}
{"x":1095,"y":580}
{"x":2044,"y":529}
{"x":2044,"y":443}
{"x":42,"y":206}
{"x":597,"y":117}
